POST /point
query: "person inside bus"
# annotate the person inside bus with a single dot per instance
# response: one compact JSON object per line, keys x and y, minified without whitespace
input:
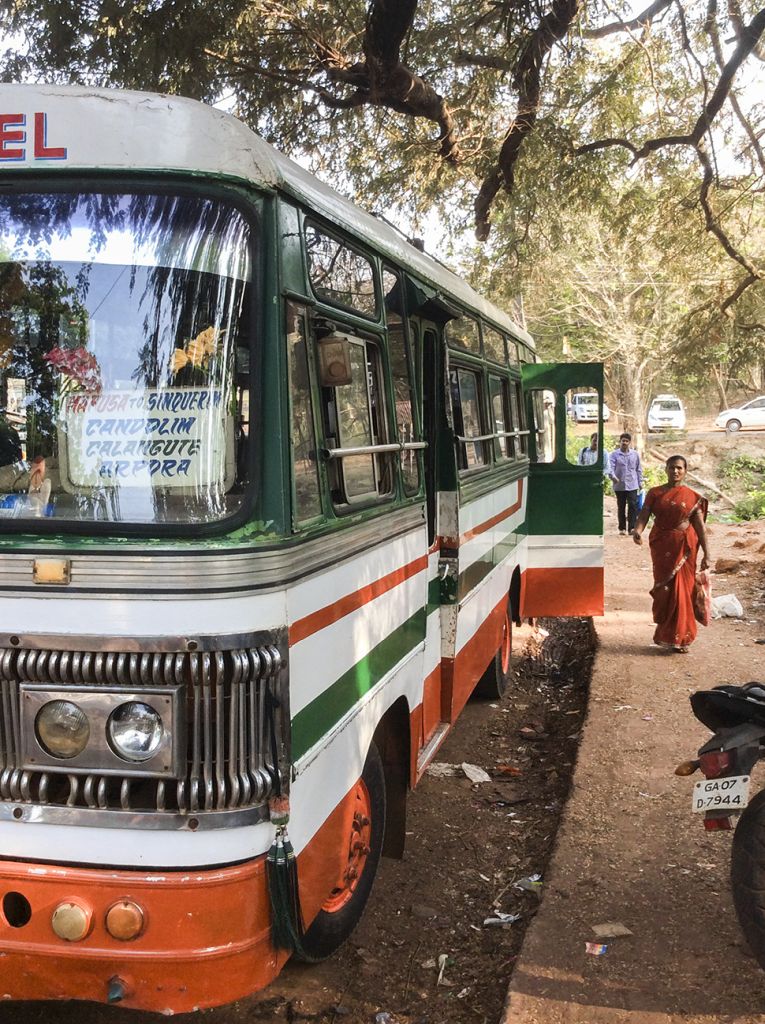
{"x":626,"y":474}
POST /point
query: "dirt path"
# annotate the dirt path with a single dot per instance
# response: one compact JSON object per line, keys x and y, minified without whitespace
{"x":628,"y":850}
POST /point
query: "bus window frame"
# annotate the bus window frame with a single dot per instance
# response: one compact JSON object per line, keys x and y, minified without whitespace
{"x":415,"y":397}
{"x":371,"y":259}
{"x":303,"y":311}
{"x":478,"y":370}
{"x":251,"y":203}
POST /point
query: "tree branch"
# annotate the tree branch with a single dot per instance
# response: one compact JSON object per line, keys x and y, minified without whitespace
{"x":642,"y":20}
{"x":552,"y":27}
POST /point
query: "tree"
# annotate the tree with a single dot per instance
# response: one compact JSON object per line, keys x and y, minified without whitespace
{"x":454,"y":105}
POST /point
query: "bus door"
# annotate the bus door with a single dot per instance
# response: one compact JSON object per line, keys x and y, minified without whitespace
{"x":564,"y":566}
{"x":436,"y":698}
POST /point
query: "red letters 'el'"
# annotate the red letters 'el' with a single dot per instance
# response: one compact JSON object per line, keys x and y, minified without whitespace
{"x":43,"y":152}
{"x":12,"y":130}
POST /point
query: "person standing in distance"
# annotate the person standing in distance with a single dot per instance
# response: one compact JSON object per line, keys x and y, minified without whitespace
{"x":590,"y":454}
{"x":627,"y":477}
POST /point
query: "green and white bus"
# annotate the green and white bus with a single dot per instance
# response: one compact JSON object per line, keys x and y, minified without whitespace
{"x":274,"y":486}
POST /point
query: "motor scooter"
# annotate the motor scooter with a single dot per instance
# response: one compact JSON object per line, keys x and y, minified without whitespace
{"x":736,"y":716}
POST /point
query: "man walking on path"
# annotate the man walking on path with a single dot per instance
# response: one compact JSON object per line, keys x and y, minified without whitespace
{"x":627,"y":476}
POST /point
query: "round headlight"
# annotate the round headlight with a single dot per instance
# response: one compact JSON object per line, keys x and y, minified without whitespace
{"x":135,"y":731}
{"x":62,"y":728}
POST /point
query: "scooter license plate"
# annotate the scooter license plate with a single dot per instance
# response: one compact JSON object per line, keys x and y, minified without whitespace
{"x":729,"y":794}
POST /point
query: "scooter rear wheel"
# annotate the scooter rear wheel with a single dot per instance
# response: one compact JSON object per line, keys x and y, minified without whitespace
{"x":747,"y":875}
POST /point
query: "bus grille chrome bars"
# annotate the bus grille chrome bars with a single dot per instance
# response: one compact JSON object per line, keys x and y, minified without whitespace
{"x":236,"y":721}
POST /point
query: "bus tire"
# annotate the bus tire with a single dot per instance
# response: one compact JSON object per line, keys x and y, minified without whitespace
{"x":342,"y":910}
{"x":747,"y":875}
{"x":496,"y":678}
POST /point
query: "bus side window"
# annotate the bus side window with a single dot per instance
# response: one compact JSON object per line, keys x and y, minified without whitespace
{"x":518,"y":413}
{"x":504,"y":446}
{"x":302,"y":435}
{"x":401,"y":365}
{"x":465,"y":387}
{"x":354,"y":417}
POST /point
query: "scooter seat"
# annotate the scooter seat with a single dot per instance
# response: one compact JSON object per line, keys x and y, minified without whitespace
{"x":728,"y":706}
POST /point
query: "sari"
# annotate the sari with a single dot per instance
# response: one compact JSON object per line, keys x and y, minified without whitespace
{"x":674,"y":549}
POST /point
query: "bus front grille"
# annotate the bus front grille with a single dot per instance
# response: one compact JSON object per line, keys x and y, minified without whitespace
{"x":234,"y":713}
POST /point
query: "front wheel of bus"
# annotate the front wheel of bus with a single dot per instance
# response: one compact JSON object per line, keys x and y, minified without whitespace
{"x":342,"y":910}
{"x":495,"y":679}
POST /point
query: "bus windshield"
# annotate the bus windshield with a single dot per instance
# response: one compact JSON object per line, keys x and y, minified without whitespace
{"x":124,"y":357}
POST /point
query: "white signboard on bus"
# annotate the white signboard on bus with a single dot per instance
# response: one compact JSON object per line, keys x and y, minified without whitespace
{"x":161,"y":438}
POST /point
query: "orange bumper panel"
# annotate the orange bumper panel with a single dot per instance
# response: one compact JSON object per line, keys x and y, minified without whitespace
{"x":571,"y":591}
{"x":205,"y":940}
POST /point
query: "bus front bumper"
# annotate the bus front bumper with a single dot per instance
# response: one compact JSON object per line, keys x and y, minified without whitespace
{"x":204,"y":938}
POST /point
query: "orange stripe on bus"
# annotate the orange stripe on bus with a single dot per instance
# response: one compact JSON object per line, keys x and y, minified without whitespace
{"x":324,"y":617}
{"x":577,"y":590}
{"x":454,"y":542}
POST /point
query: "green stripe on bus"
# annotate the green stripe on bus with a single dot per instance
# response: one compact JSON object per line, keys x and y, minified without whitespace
{"x":480,"y":569}
{"x":318,"y":717}
{"x":434,"y":594}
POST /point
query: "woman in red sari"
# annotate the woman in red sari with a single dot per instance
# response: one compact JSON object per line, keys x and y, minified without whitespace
{"x":677,"y":533}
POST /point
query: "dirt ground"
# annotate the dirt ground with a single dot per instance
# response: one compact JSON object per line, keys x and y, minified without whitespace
{"x":629,"y":850}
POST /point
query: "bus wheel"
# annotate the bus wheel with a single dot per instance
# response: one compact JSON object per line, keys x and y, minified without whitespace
{"x":495,"y":679}
{"x":342,"y":910}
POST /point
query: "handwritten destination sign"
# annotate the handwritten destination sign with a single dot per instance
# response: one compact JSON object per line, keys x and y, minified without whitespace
{"x":169,"y":437}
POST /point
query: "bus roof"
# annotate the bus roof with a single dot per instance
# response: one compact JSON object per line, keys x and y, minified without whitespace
{"x":73,"y":127}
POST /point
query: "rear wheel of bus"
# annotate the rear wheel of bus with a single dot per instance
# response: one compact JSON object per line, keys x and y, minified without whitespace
{"x":495,"y":679}
{"x":342,"y":910}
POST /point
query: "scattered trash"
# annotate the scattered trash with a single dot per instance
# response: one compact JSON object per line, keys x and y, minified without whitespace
{"x":531,"y":883}
{"x":441,"y":770}
{"x":509,"y":769}
{"x":443,"y":960}
{"x":464,"y":992}
{"x":610,"y":930}
{"x":428,"y":965}
{"x":595,"y":948}
{"x":474,"y":773}
{"x":501,"y":920}
{"x":484,"y":877}
{"x":623,"y":707}
{"x":761,"y":640}
{"x":385,"y":1018}
{"x":727,"y":606}
{"x":648,"y":717}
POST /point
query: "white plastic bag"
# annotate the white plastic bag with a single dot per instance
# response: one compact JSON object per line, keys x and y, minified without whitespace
{"x":727,"y":606}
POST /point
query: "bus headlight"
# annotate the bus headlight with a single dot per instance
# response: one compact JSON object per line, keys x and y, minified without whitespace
{"x":135,"y":731}
{"x":62,"y":728}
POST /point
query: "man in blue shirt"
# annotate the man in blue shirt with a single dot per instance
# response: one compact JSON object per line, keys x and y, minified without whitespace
{"x":627,"y":476}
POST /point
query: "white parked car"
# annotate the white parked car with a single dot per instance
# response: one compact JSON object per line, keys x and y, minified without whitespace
{"x":750,"y":414}
{"x":583,"y":408}
{"x":666,"y":412}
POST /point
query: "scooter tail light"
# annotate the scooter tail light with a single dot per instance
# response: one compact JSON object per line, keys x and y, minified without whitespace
{"x":716,"y":763}
{"x":718,"y":824}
